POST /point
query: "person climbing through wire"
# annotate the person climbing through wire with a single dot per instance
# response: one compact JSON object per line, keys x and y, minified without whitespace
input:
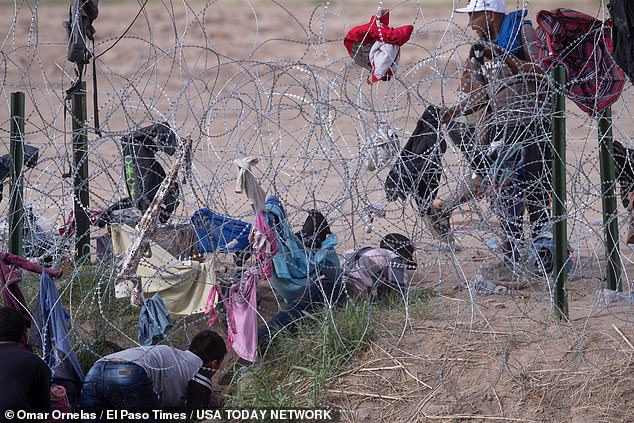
{"x":502,"y":80}
{"x":371,"y":272}
{"x":147,"y":378}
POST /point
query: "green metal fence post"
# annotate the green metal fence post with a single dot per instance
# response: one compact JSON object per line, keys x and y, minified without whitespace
{"x":16,"y":201}
{"x":80,"y":178}
{"x":610,"y":217}
{"x":560,"y":229}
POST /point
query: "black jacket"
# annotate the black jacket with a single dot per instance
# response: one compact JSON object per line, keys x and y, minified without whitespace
{"x":622,"y":13}
{"x":31,"y":155}
{"x":143,"y":173}
{"x":418,"y":168}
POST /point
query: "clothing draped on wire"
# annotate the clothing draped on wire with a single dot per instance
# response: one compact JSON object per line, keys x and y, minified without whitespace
{"x":154,"y":321}
{"x":247,"y":183}
{"x":376,"y":46}
{"x":295,"y":266}
{"x":622,"y":14}
{"x":582,"y":45}
{"x":143,"y":173}
{"x":418,"y":168}
{"x":184,"y":285}
{"x":11,"y":276}
{"x":58,"y":351}
{"x":241,"y":301}
{"x":50,"y":334}
{"x":326,"y":288}
{"x":383,"y":147}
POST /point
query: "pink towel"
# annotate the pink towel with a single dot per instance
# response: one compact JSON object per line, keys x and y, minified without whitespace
{"x":241,"y":303}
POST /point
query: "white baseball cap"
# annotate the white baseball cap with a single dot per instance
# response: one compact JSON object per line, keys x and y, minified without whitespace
{"x":498,"y":6}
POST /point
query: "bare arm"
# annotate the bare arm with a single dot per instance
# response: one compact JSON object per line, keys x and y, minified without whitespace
{"x":472,"y":84}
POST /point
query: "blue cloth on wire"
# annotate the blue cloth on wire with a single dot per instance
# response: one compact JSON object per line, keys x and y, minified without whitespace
{"x":295,"y":266}
{"x":510,"y":37}
{"x":58,"y":351}
{"x":215,"y":231}
{"x":154,"y":321}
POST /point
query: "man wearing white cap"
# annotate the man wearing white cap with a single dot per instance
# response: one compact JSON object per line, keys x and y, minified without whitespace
{"x":502,"y":80}
{"x":499,"y":65}
{"x":498,"y":6}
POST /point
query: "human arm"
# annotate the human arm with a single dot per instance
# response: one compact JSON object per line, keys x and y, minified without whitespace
{"x":472,"y":83}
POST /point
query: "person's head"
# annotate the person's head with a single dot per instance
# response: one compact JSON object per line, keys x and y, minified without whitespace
{"x":315,"y":229}
{"x":485,"y":17}
{"x":402,"y":246}
{"x":12,"y":326}
{"x":210,"y":347}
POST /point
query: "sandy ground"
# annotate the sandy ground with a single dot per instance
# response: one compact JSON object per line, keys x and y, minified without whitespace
{"x":274,"y":80}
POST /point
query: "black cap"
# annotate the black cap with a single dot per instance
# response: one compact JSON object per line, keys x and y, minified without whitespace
{"x":401,"y":245}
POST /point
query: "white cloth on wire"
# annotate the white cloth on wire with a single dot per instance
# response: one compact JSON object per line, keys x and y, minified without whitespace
{"x":384,"y":59}
{"x":383,"y":148}
{"x":247,"y":184}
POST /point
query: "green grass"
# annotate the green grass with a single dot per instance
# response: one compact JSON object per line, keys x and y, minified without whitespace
{"x":419,"y":306}
{"x":297,"y":368}
{"x":299,"y":365}
{"x":422,"y":308}
{"x":96,"y":330}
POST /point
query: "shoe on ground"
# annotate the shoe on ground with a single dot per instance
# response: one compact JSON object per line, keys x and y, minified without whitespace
{"x":438,"y":220}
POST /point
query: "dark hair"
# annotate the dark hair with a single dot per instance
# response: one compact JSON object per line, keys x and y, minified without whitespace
{"x":208,"y":345}
{"x":12,"y":325}
{"x":315,"y":229}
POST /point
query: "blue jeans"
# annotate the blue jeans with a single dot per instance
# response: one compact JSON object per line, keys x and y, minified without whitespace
{"x":528,"y":186}
{"x":117,"y":385}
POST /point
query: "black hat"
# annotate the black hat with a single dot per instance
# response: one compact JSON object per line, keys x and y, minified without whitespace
{"x":401,"y":245}
{"x":315,"y":229}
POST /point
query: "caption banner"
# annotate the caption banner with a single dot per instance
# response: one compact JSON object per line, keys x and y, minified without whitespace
{"x":213,"y":415}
